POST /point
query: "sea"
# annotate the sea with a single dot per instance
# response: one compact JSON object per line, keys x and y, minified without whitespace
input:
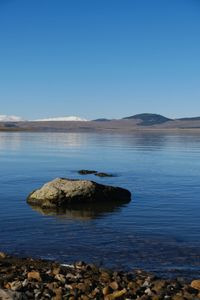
{"x":157,"y":231}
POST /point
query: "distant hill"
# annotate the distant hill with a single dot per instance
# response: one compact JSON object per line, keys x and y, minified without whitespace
{"x":190,"y":119}
{"x":149,"y":119}
{"x":101,"y":120}
{"x":138,"y":123}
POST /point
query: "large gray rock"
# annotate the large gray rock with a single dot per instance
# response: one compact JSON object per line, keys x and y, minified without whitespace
{"x":61,"y":192}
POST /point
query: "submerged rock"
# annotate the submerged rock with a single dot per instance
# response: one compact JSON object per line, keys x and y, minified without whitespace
{"x":101,"y":174}
{"x":87,"y":172}
{"x":62,"y":192}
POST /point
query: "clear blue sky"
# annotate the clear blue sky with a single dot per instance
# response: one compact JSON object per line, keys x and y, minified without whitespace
{"x":99,"y":58}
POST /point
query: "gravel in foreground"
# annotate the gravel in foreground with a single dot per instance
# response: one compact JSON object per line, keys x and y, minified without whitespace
{"x":39,"y":279}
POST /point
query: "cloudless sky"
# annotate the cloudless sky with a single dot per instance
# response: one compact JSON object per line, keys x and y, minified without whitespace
{"x":99,"y":58}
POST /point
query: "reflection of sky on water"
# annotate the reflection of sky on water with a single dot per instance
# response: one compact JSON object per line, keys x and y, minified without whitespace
{"x":141,"y":140}
{"x":159,"y":229}
{"x":10,"y":141}
{"x":14,"y":141}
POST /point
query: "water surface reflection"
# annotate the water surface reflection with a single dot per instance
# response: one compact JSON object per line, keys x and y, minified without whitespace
{"x":158,"y":230}
{"x":83,"y":212}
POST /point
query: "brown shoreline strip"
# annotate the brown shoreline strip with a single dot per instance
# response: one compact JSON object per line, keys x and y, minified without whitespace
{"x":26,"y":278}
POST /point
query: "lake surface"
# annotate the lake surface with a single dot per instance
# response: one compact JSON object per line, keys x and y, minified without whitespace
{"x":159,"y":230}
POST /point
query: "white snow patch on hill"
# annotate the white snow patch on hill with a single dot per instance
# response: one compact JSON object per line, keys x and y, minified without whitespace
{"x":69,"y":118}
{"x":6,"y":118}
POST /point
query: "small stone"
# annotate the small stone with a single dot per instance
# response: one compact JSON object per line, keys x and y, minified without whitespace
{"x":144,"y":297}
{"x":47,"y":295}
{"x":92,"y":267}
{"x":82,"y":286}
{"x":56,"y":271}
{"x":114,"y":285}
{"x":189,"y":296}
{"x":195,"y":284}
{"x":132,"y":286}
{"x":38,"y":294}
{"x":84,"y":297}
{"x":69,"y":276}
{"x":61,"y":278}
{"x":139,"y":282}
{"x":7,"y":285}
{"x":34,"y":275}
{"x":118,"y":294}
{"x":155,"y":297}
{"x":115,"y":295}
{"x":58,"y":294}
{"x":25,"y":282}
{"x":105,"y":277}
{"x":177,"y":297}
{"x":16,"y":285}
{"x":9,"y":295}
{"x":2,"y":255}
{"x":80,"y":264}
{"x":88,"y":281}
{"x":146,"y":283}
{"x":29,"y":294}
{"x":159,"y":285}
{"x":95,"y":292}
{"x":50,"y":286}
{"x":106,"y":290}
{"x":148,"y":292}
{"x":69,"y":286}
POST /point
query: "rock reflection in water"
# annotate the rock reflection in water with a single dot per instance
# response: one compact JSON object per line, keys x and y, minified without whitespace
{"x":82,"y":212}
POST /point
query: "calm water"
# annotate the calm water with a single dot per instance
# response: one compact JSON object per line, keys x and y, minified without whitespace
{"x":158,"y":230}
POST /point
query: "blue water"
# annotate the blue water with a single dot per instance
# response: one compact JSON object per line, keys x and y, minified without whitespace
{"x":159,"y":230}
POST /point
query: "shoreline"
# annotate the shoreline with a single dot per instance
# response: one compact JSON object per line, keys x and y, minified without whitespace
{"x":106,"y":131}
{"x":28,"y":278}
{"x":113,"y":126}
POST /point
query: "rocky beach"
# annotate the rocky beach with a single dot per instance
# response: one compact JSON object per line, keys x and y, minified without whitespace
{"x":27,"y":278}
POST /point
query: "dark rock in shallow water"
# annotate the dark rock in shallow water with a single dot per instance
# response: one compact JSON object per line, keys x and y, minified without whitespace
{"x":87,"y":172}
{"x":61,"y":192}
{"x":101,"y":174}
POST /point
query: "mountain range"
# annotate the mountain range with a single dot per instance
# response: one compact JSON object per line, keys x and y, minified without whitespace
{"x":144,"y":121}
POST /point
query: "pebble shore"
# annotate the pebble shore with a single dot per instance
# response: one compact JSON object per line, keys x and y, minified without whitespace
{"x":26,"y":279}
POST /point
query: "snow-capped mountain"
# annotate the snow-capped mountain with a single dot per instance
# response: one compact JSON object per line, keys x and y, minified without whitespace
{"x":69,"y":118}
{"x":6,"y":118}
